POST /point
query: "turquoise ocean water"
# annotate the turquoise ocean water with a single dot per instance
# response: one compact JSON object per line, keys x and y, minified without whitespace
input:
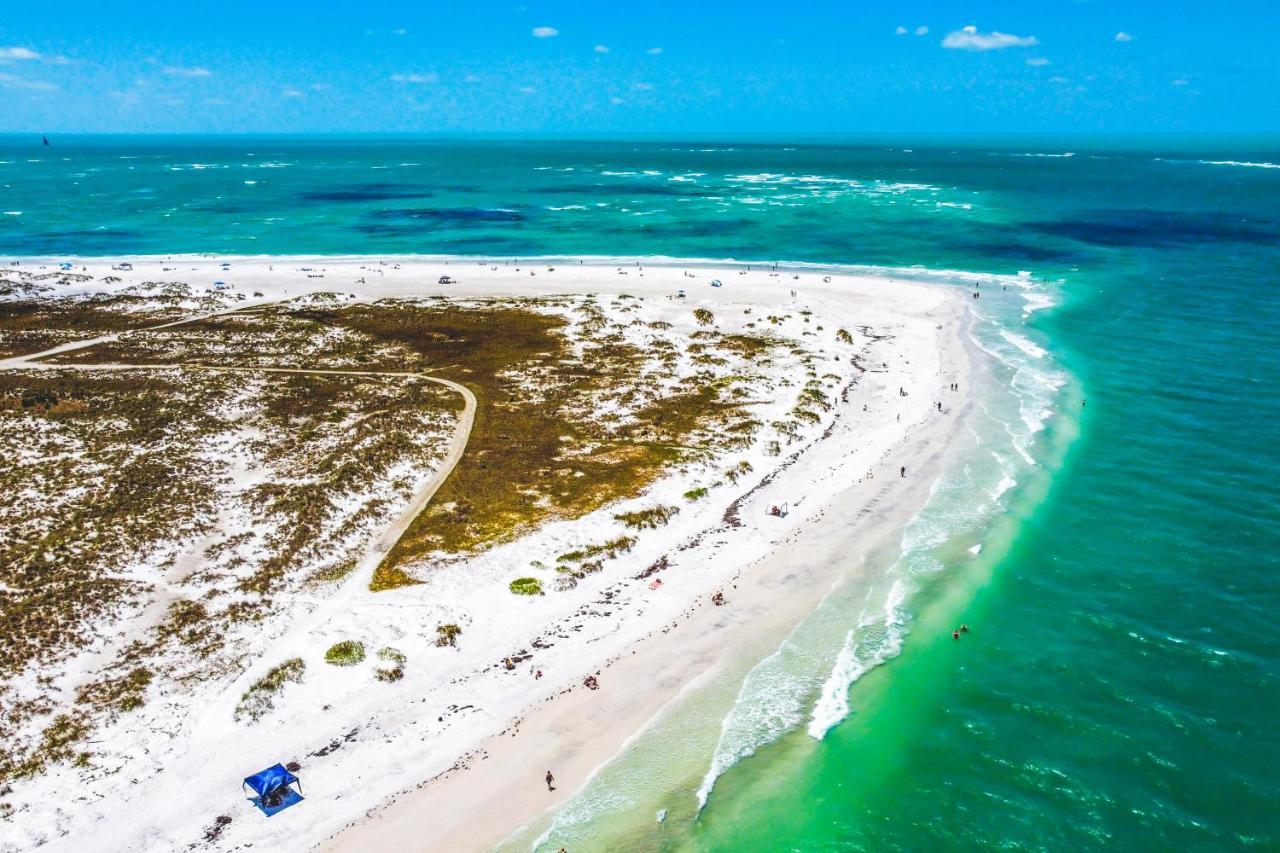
{"x":1110,"y":533}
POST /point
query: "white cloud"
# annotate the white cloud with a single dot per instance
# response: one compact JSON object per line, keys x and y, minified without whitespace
{"x":1182,"y":81}
{"x":399,"y":32}
{"x":600,"y":49}
{"x":416,"y":78}
{"x":545,"y":32}
{"x":290,"y":92}
{"x":970,"y":39}
{"x":654,"y":51}
{"x":471,"y":78}
{"x":922,"y":31}
{"x":1059,"y":79}
{"x":528,"y":90}
{"x":319,"y":87}
{"x":1038,"y":62}
{"x":615,"y":100}
{"x":14,"y":82}
{"x":217,"y":102}
{"x":642,"y":87}
{"x":900,"y":31}
{"x":7,"y":53}
{"x":179,"y":71}
{"x":1123,"y":36}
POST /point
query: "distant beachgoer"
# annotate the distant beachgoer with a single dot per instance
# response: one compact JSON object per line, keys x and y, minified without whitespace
{"x":550,"y":780}
{"x":939,"y":406}
{"x":903,"y":471}
{"x":955,"y":635}
{"x":964,"y":629}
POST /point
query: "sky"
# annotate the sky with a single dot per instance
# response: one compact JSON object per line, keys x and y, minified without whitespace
{"x":655,"y":67}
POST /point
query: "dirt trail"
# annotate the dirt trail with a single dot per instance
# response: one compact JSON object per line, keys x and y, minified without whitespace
{"x":422,"y":495}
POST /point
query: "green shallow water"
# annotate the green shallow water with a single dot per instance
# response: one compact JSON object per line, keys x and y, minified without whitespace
{"x":1119,"y":688}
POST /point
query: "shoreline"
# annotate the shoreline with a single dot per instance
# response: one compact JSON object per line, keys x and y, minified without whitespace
{"x":915,"y":273}
{"x":496,"y":791}
{"x":782,"y":569}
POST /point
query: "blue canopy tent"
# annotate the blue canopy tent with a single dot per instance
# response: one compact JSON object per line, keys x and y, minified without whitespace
{"x":272,"y":789}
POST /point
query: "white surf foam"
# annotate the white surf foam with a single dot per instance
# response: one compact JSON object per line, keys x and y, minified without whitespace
{"x":877,"y":639}
{"x":769,"y":704}
{"x":1244,"y":163}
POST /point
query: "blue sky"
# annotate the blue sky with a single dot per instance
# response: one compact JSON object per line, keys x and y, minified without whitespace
{"x":639,"y":67}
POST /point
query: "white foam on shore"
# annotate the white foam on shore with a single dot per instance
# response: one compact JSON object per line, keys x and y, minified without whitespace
{"x":877,"y":638}
{"x":770,"y":703}
{"x":1034,"y":383}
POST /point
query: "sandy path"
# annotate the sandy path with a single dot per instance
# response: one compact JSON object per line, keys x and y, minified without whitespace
{"x":155,"y":610}
{"x":421,"y":497}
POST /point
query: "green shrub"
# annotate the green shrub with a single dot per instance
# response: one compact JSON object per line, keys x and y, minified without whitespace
{"x":647,"y":518}
{"x":447,"y":635}
{"x":612,"y":548}
{"x":394,"y":673}
{"x":345,"y":653}
{"x":526,"y":586}
{"x":695,"y":494}
{"x":396,"y":658}
{"x":260,"y":697}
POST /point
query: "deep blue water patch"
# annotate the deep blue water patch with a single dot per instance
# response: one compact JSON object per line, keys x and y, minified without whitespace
{"x":1121,"y":228}
{"x":86,"y":241}
{"x":450,"y":215}
{"x":367,"y":192}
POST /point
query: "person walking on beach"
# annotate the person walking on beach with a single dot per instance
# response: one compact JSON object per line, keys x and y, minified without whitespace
{"x":903,"y":472}
{"x":550,"y":780}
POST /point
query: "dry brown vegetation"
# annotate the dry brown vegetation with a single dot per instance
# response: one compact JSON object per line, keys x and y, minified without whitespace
{"x":110,"y":477}
{"x":538,"y":449}
{"x":29,"y":326}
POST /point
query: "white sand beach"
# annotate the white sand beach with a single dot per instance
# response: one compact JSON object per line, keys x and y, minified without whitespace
{"x":452,"y":757}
